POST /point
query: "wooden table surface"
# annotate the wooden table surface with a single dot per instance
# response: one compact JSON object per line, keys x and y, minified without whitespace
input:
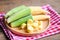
{"x":6,"y":5}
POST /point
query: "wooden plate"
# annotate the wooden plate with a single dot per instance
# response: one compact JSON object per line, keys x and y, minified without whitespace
{"x":23,"y":33}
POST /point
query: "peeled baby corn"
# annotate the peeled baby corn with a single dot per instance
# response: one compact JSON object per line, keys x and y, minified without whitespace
{"x":20,"y":21}
{"x":30,"y":29}
{"x":41,"y":17}
{"x":35,"y":10}
{"x":19,"y":15}
{"x":14,"y":10}
{"x":23,"y":26}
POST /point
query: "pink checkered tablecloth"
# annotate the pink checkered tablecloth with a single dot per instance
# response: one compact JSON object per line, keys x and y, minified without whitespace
{"x":54,"y":26}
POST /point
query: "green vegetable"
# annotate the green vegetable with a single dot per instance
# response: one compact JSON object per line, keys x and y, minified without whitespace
{"x":19,"y":15}
{"x":20,"y":21}
{"x":14,"y":10}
